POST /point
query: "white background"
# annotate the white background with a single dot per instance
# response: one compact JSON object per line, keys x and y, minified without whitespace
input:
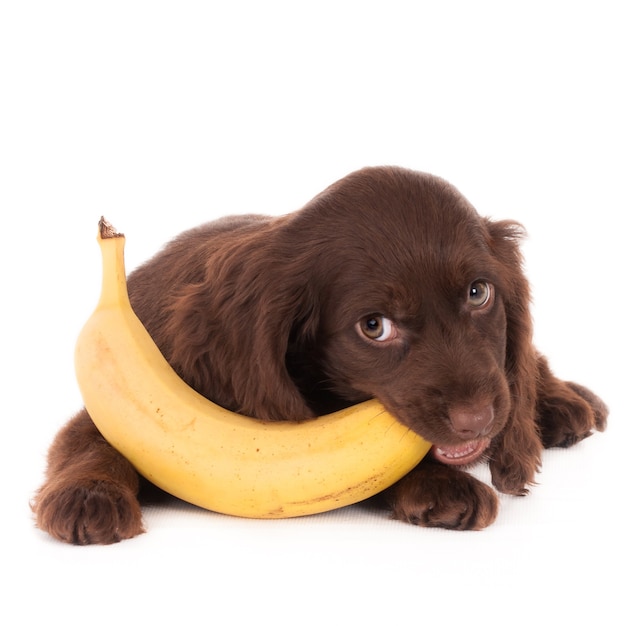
{"x":162,"y":115}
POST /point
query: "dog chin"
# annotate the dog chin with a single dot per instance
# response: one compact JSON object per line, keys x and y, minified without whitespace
{"x":465,"y":453}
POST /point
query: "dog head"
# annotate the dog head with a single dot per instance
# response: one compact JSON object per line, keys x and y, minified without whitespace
{"x":415,"y":299}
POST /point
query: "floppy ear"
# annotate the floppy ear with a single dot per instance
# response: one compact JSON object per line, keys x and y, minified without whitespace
{"x":521,"y":433}
{"x":504,"y":241}
{"x":231,"y":333}
{"x":284,"y":312}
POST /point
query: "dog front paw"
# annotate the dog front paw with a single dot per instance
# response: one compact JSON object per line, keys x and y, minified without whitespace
{"x":511,"y":476}
{"x":439,"y":496}
{"x":571,"y":415}
{"x":92,"y":512}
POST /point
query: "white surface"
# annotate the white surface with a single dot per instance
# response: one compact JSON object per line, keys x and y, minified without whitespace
{"x":163,"y":115}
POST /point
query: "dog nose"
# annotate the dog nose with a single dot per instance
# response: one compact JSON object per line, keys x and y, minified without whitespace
{"x":471,"y":422}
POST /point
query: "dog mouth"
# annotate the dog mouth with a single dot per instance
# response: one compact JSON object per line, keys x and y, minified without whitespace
{"x":461,"y":454}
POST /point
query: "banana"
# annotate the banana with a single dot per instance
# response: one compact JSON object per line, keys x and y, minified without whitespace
{"x":214,"y":458}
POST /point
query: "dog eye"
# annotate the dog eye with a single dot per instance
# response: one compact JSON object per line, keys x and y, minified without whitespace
{"x":377,"y":328}
{"x":479,"y":294}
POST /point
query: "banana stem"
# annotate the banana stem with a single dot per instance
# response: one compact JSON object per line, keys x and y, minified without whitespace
{"x":106,"y":230}
{"x":114,"y":290}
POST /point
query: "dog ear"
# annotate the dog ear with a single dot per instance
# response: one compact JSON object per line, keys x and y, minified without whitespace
{"x":504,"y":241}
{"x":287,"y":314}
{"x":231,"y":333}
{"x":521,"y":432}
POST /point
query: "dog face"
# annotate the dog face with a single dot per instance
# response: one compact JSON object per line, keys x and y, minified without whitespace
{"x":414,"y":307}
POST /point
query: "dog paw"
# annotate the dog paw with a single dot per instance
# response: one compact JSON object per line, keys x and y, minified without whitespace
{"x":93,"y":512}
{"x":442,"y":497}
{"x":511,"y":476}
{"x":599,"y":409}
{"x":571,"y":416}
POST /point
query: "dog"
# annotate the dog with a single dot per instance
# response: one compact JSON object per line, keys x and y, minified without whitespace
{"x":388,"y":284}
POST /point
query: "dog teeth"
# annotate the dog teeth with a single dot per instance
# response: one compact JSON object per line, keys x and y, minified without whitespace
{"x":462,"y":453}
{"x":457,"y":453}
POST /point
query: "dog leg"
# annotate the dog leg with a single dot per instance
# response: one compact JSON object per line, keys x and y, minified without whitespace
{"x":442,"y":496}
{"x":566,"y":412}
{"x":90,"y":492}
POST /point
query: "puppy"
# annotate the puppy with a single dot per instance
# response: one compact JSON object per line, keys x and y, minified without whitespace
{"x":388,"y":284}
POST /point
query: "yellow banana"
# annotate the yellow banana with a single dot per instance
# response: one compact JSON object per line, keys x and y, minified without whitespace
{"x":211,"y":457}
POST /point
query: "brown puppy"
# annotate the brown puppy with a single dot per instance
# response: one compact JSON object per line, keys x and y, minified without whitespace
{"x":387,"y":284}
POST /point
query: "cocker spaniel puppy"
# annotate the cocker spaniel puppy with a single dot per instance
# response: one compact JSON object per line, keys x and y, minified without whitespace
{"x":388,"y":284}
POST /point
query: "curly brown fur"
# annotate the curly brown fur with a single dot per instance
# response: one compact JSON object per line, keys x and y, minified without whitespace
{"x":387,"y":284}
